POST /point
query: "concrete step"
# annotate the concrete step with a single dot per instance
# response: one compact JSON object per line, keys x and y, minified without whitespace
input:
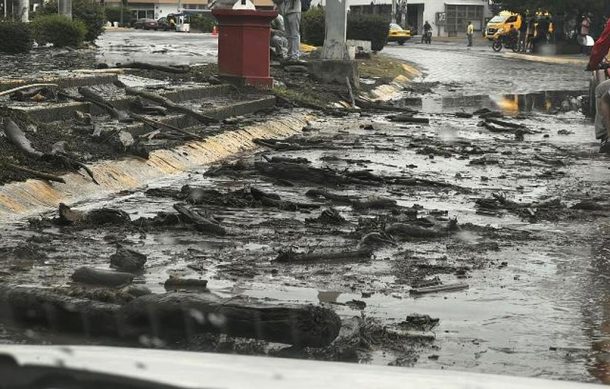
{"x":71,"y":80}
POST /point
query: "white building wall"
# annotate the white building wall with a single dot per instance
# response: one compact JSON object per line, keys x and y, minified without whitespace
{"x":162,"y":10}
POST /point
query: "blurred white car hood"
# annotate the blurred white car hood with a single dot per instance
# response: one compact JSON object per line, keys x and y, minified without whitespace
{"x":208,"y":370}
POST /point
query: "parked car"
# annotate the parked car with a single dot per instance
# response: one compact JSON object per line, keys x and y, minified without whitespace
{"x":146,"y":24}
{"x":398,"y":34}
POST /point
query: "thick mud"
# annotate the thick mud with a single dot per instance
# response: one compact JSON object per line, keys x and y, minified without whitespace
{"x":365,"y":215}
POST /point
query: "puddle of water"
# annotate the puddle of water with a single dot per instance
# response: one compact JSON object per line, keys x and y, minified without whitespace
{"x":510,"y":104}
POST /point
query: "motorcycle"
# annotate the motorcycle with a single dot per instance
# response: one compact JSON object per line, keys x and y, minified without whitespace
{"x":505,"y":40}
{"x":426,"y":37}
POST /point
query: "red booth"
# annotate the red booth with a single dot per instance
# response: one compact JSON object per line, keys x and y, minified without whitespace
{"x":243,"y":46}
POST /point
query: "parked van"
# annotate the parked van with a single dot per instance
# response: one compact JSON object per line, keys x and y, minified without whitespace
{"x":502,"y":21}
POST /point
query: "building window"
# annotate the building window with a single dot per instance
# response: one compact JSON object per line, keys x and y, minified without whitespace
{"x":458,"y":16}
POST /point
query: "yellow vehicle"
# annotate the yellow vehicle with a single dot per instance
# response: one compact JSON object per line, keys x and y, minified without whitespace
{"x":398,"y":34}
{"x":502,"y":21}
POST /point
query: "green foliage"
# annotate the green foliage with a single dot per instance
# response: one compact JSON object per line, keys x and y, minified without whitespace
{"x":113,"y":14}
{"x":313,"y":26}
{"x":203,"y":22}
{"x":58,"y":30}
{"x":16,"y":37}
{"x":372,"y":28}
{"x":90,"y":12}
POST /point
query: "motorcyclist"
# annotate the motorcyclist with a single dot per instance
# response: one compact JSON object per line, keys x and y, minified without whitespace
{"x":427,"y":30}
{"x":598,"y":53}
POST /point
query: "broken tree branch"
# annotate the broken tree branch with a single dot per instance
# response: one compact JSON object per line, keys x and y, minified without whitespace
{"x":164,"y":101}
{"x":37,"y":174}
{"x":22,"y":87}
{"x":150,"y":66}
{"x":98,"y":100}
{"x":159,"y":124}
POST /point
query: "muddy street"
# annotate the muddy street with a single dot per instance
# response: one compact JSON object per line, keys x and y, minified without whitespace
{"x":469,"y":235}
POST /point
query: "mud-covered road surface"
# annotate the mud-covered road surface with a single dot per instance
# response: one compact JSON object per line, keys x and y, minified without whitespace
{"x":502,"y":207}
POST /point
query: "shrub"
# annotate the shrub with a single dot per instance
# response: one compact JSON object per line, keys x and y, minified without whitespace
{"x":87,"y":11}
{"x":203,"y":22}
{"x":58,"y":30}
{"x":16,"y":37}
{"x":92,"y":14}
{"x":113,"y":14}
{"x":313,"y":26}
{"x":372,"y":28}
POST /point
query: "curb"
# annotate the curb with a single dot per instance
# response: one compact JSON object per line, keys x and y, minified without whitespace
{"x":392,"y":90}
{"x":550,"y":60}
{"x":34,"y":196}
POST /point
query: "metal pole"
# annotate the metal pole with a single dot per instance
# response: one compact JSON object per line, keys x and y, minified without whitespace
{"x":5,"y":5}
{"x":393,"y":11}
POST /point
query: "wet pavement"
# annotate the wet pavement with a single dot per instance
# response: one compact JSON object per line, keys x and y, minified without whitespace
{"x":538,"y":291}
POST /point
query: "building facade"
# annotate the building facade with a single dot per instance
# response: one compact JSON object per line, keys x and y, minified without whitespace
{"x":447,"y":17}
{"x":155,"y":9}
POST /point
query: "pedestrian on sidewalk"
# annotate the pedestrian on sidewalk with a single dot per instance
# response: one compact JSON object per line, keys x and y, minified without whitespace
{"x":291,"y":12}
{"x":470,"y":33}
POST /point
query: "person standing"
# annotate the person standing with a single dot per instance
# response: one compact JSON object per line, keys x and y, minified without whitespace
{"x":291,"y":12}
{"x":470,"y":33}
{"x":523,"y":34}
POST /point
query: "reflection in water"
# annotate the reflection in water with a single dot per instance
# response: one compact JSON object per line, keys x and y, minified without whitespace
{"x":549,"y":101}
{"x":599,"y":312}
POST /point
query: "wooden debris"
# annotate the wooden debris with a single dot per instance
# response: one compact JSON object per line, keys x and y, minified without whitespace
{"x":317,"y":193}
{"x":91,"y":276}
{"x":409,"y":118}
{"x":18,"y":138}
{"x":440,"y":288}
{"x":201,"y":222}
{"x":290,"y":256}
{"x":25,"y":87}
{"x":97,"y":99}
{"x":164,"y":101}
{"x":150,"y":66}
{"x":35,"y":173}
{"x":176,"y":283}
{"x":127,"y":260}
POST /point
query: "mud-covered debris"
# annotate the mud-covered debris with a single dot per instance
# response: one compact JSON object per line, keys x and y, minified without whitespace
{"x":337,"y":198}
{"x":589,"y":205}
{"x":419,"y":322}
{"x":101,"y":277}
{"x":291,"y":256}
{"x":375,"y":239}
{"x":440,"y":288}
{"x":127,"y":260}
{"x":299,"y":172}
{"x":485,"y":160}
{"x":139,"y":105}
{"x":356,"y":304}
{"x":302,"y":325}
{"x":408,"y":118}
{"x":550,"y":161}
{"x":201,"y":221}
{"x":277,"y":144}
{"x":96,"y":217}
{"x":178,"y":283}
{"x":416,"y":230}
{"x":235,"y":169}
{"x":287,"y":159}
{"x":377,"y":202}
{"x":274,"y":200}
{"x":463,"y":115}
{"x":328,"y":216}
